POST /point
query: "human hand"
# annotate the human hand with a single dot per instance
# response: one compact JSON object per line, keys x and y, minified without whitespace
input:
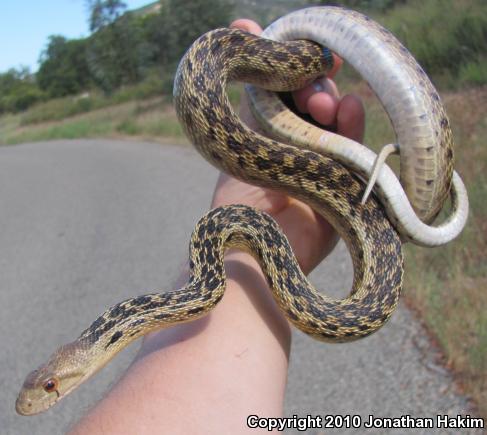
{"x":311,"y":237}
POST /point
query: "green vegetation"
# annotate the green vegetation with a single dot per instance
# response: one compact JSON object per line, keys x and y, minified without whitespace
{"x":116,"y":54}
{"x":129,"y":112}
{"x":447,"y":37}
{"x":446,"y":285}
{"x":18,"y":91}
{"x":61,"y":108}
{"x":64,"y":69}
{"x":124,"y":50}
{"x":148,"y":119}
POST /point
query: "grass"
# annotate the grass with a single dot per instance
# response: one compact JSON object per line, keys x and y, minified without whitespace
{"x":127,"y":113}
{"x":447,"y":38}
{"x":71,"y":130}
{"x":62,"y":108}
{"x":148,"y":119}
{"x":447,"y":285}
{"x":474,"y":72}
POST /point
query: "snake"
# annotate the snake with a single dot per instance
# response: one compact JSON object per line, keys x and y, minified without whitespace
{"x":326,"y":184}
{"x":424,"y":136}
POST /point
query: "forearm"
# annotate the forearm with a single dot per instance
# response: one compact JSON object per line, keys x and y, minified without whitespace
{"x":209,"y":375}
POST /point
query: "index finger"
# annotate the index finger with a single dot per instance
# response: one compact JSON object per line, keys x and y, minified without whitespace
{"x":246,"y":25}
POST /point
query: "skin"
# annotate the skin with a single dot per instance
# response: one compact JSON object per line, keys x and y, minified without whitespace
{"x":207,"y":376}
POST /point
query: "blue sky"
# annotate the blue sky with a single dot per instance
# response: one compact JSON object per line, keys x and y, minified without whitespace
{"x":26,"y":24}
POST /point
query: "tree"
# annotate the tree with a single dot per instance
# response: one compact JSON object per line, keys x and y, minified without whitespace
{"x":18,"y":90}
{"x":186,"y":21}
{"x":157,"y":35}
{"x":104,"y":12}
{"x":64,"y":68}
{"x":117,"y":52}
{"x":177,"y":25}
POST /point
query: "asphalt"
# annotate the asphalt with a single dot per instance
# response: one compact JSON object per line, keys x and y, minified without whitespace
{"x":85,"y":224}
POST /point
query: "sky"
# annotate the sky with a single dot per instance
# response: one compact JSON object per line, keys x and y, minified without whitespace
{"x":26,"y":24}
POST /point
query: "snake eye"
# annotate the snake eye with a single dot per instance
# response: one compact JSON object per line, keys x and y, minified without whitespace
{"x":50,"y":385}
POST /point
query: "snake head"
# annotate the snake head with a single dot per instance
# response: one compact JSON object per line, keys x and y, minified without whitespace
{"x":52,"y":381}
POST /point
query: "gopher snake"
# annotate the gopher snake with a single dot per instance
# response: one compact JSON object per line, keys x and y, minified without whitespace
{"x":326,"y":185}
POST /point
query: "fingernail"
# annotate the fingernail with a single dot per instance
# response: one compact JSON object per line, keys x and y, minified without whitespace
{"x":318,"y":87}
{"x":330,"y":88}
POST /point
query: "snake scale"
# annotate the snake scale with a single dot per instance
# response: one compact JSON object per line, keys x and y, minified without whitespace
{"x":322,"y":182}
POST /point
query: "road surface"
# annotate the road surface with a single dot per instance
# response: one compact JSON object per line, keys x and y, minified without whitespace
{"x":85,"y":224}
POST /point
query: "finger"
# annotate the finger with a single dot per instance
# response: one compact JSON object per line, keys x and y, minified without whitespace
{"x":323,"y":105}
{"x":323,"y":108}
{"x":321,"y":85}
{"x":320,"y":100}
{"x":246,"y":25}
{"x":301,"y":97}
{"x":329,"y":87}
{"x":351,"y":118}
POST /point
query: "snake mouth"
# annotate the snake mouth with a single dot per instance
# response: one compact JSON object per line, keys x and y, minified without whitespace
{"x":25,"y":406}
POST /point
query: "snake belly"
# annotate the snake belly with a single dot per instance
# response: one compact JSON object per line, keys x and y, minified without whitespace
{"x":424,"y":136}
{"x":411,"y":101}
{"x":327,"y":186}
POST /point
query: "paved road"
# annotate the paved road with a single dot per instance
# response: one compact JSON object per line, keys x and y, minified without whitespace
{"x":85,"y":224}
